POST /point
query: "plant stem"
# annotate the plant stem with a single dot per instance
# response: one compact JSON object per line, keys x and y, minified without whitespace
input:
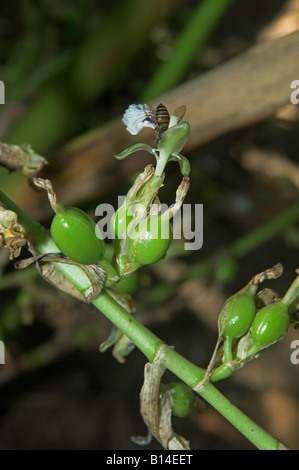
{"x":254,"y":433}
{"x":189,"y":373}
{"x":145,"y":340}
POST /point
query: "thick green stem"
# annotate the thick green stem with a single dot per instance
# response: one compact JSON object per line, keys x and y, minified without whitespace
{"x":254,"y":433}
{"x":144,"y":339}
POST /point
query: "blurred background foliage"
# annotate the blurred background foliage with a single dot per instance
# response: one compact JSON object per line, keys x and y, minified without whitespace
{"x":70,"y":67}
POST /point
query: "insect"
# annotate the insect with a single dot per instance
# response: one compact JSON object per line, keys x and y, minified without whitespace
{"x":160,"y":118}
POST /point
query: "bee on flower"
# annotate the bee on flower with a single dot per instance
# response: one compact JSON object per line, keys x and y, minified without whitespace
{"x":170,"y":134}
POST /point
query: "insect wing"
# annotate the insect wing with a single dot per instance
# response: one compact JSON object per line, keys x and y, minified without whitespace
{"x":180,"y":112}
{"x":150,"y":114}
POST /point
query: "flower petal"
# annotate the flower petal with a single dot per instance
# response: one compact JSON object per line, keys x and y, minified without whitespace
{"x":135,"y":119}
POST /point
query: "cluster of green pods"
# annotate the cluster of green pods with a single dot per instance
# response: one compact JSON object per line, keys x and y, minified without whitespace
{"x":140,"y":238}
{"x":142,"y":234}
{"x":78,"y":238}
{"x":267,"y":326}
{"x":258,"y":328}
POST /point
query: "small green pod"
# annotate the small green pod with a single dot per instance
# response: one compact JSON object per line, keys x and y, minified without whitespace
{"x":237,"y":315}
{"x":182,"y":398}
{"x":75,"y":235}
{"x":150,"y":240}
{"x":270,"y":325}
{"x":222,"y":372}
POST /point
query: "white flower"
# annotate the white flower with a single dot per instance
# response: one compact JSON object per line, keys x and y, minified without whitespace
{"x":135,"y":118}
